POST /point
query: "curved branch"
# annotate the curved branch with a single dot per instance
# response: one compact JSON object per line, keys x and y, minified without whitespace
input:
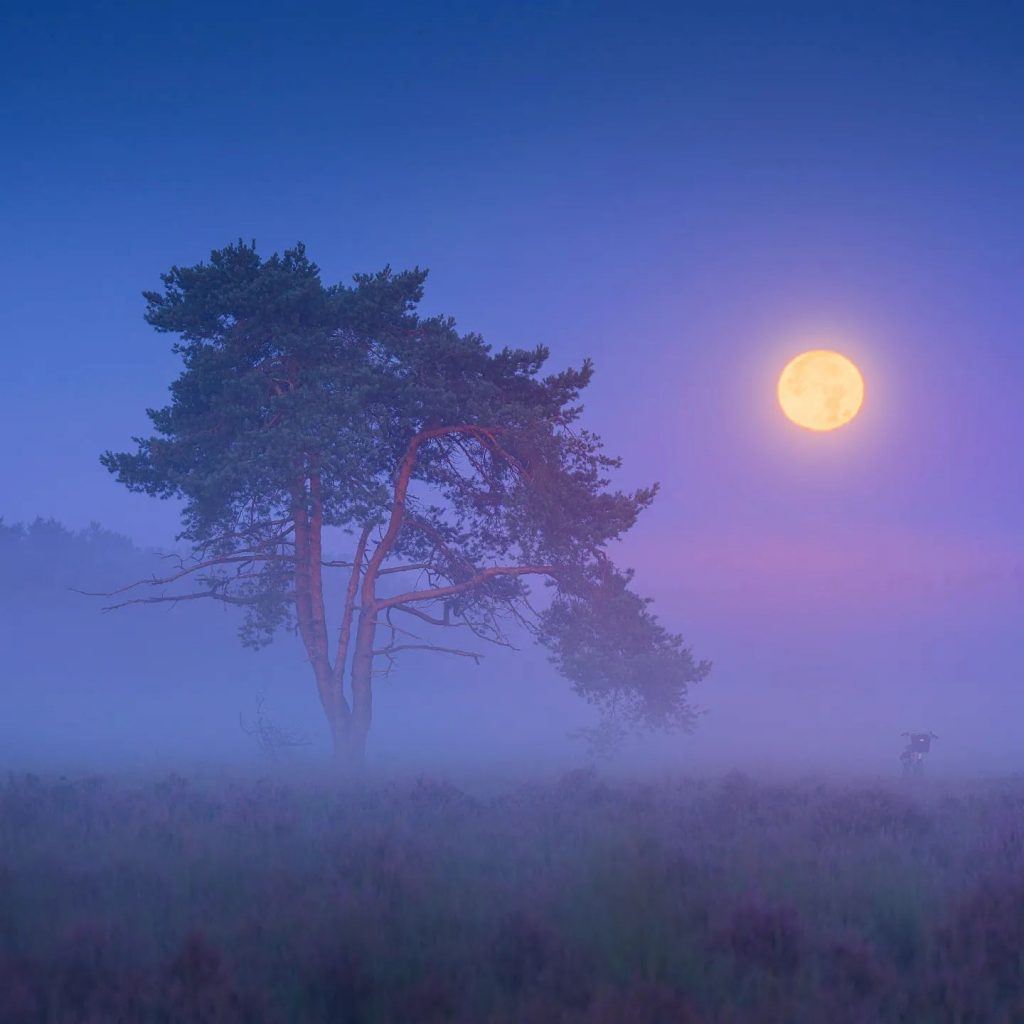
{"x":405,"y":470}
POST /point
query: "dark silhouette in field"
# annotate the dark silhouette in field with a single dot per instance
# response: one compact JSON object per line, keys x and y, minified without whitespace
{"x":462,"y":472}
{"x":918,"y":745}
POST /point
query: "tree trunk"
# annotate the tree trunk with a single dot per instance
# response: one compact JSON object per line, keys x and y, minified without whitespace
{"x":362,"y":682}
{"x":341,"y":741}
{"x":310,"y":613}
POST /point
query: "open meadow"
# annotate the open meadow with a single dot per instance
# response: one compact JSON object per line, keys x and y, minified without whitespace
{"x":579,"y":899}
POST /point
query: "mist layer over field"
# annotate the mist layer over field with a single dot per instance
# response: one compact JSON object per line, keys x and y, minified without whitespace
{"x":797,"y":686}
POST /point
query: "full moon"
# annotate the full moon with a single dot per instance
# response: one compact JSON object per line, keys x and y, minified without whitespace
{"x":821,"y":390}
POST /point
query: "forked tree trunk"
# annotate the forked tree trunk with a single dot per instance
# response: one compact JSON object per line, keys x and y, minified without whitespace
{"x":360,"y":714}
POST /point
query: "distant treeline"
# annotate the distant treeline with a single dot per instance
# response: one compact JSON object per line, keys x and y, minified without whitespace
{"x":45,"y":555}
{"x":80,"y":686}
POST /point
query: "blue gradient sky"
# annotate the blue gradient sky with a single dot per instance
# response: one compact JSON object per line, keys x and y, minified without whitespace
{"x":689,"y":193}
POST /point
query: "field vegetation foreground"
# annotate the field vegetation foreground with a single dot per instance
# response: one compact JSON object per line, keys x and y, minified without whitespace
{"x":581,"y":900}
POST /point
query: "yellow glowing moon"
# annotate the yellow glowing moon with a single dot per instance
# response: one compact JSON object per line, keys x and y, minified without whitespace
{"x":821,"y":390}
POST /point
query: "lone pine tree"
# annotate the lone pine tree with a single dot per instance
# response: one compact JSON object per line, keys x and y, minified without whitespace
{"x":461,"y":473}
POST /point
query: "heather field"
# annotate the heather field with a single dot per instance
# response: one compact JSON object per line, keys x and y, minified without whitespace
{"x":580,"y":899}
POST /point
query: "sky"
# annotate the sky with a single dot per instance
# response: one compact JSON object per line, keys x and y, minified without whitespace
{"x":690,"y":194}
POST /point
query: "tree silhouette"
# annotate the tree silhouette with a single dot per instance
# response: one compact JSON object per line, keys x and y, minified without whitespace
{"x":462,"y":473}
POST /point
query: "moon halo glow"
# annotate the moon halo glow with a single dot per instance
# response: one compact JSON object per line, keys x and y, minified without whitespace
{"x":821,"y":390}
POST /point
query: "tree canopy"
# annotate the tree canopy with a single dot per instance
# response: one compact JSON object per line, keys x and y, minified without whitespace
{"x":461,"y":471}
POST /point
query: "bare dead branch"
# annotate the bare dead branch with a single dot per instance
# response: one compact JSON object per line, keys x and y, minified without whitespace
{"x":433,"y":620}
{"x":388,"y":651}
{"x":439,"y":541}
{"x":493,"y":634}
{"x":174,"y":599}
{"x":460,"y":588}
{"x":406,"y":568}
{"x":159,"y":581}
{"x":483,"y":631}
{"x":272,"y":740}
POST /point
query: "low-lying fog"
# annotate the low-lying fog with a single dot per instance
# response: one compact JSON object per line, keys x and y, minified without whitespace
{"x":821,"y":660}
